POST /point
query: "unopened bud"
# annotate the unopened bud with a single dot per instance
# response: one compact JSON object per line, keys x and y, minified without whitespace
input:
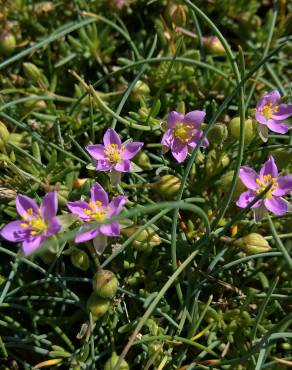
{"x":80,"y":259}
{"x":118,"y":5}
{"x":32,"y":72}
{"x":111,"y":363}
{"x":225,"y":183}
{"x":98,"y":306}
{"x":253,"y":243}
{"x":175,"y":13}
{"x":140,"y":89}
{"x":145,"y":241}
{"x":234,"y":129}
{"x":105,"y":283}
{"x":142,"y":160}
{"x":7,"y":43}
{"x":4,"y":133}
{"x":218,"y":134}
{"x":213,"y":45}
{"x":167,"y":186}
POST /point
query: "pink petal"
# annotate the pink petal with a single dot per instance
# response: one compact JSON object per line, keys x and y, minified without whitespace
{"x":245,"y":199}
{"x":179,"y":150}
{"x":174,"y":118}
{"x":277,"y":205}
{"x":31,"y":244}
{"x":260,"y":117}
{"x":263,"y":132}
{"x":96,"y":151}
{"x":167,"y":138}
{"x":284,"y":111}
{"x":123,"y":166}
{"x":78,"y":207}
{"x":273,"y":97}
{"x":259,"y":213}
{"x":24,"y":203}
{"x":84,"y":235}
{"x":195,"y":118}
{"x":111,"y":137}
{"x":269,"y":168}
{"x":53,"y":227}
{"x":131,"y":150}
{"x":279,"y":127}
{"x":284,"y":186}
{"x":248,"y":176}
{"x":104,"y":165}
{"x":116,"y":205}
{"x":49,"y":205}
{"x":13,"y":231}
{"x":112,"y":229}
{"x":99,"y":194}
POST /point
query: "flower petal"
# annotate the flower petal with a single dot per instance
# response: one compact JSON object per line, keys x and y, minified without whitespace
{"x":116,"y":205}
{"x":263,"y":132}
{"x":49,"y":205}
{"x":179,"y":150}
{"x":279,"y":127}
{"x":197,"y":136}
{"x":248,"y":176}
{"x":167,"y":138}
{"x":112,"y":229}
{"x":272,"y":97}
{"x":24,"y":203}
{"x":260,"y":117}
{"x":276,"y":205}
{"x":284,"y":186}
{"x":103,"y":165}
{"x":245,"y":199}
{"x":174,"y":118}
{"x":111,"y":137}
{"x":98,"y":194}
{"x":131,"y":149}
{"x":13,"y":231}
{"x":259,"y":213}
{"x":53,"y":227}
{"x":269,"y":168}
{"x":195,"y":118}
{"x":78,"y":207}
{"x":123,"y":166}
{"x":31,"y":244}
{"x":84,"y":234}
{"x":100,"y":243}
{"x":284,"y":111}
{"x":96,"y":151}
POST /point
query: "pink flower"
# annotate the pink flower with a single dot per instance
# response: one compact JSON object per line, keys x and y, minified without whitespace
{"x":271,"y":114}
{"x":37,"y":223}
{"x":183,"y":133}
{"x":114,"y":155}
{"x":97,"y":209}
{"x":256,"y":184}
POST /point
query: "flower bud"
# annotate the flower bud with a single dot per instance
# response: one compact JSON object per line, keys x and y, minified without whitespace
{"x":167,"y":186}
{"x":234,"y":129}
{"x":225,"y":182}
{"x":140,"y":89}
{"x":105,"y":283}
{"x":253,"y":243}
{"x":175,"y":13}
{"x":111,"y":363}
{"x":32,"y":72}
{"x":142,"y":160}
{"x":145,"y":241}
{"x":218,"y":134}
{"x":118,"y":5}
{"x":4,"y":133}
{"x":7,"y":42}
{"x":80,"y":259}
{"x":213,"y":45}
{"x":98,"y":306}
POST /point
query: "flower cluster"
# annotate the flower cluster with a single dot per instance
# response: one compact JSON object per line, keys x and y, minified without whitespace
{"x":265,"y":190}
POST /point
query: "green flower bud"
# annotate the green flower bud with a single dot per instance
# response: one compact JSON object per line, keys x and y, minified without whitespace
{"x":175,"y":13}
{"x":111,"y":363}
{"x":98,"y":306}
{"x":145,"y":241}
{"x":7,"y":43}
{"x":213,"y":45}
{"x":4,"y":133}
{"x":167,"y":186}
{"x":80,"y":259}
{"x":234,"y":129}
{"x":105,"y":283}
{"x":253,"y":243}
{"x":218,"y":134}
{"x":216,"y":161}
{"x":32,"y":72}
{"x":142,"y":160}
{"x":225,"y":182}
{"x":140,"y":89}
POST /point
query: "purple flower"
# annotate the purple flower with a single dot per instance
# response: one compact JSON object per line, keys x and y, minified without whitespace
{"x":256,"y":184}
{"x":270,"y":113}
{"x":114,"y":155}
{"x":98,"y":209}
{"x":183,"y":133}
{"x":37,"y":223}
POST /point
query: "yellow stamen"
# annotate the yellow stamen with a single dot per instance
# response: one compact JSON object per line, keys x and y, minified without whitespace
{"x":183,"y":132}
{"x":113,"y":153}
{"x":268,"y":180}
{"x":269,"y":109}
{"x":30,"y":211}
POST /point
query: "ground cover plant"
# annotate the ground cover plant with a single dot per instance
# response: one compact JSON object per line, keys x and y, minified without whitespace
{"x":145,"y":154}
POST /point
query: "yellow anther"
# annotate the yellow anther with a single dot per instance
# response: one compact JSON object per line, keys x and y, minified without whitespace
{"x":98,"y":203}
{"x":259,"y":182}
{"x":25,"y":217}
{"x":87,"y":211}
{"x":91,"y":205}
{"x":24,"y":225}
{"x":33,"y":232}
{"x":30,"y":211}
{"x":113,"y":153}
{"x":183,"y":132}
{"x":268,"y":110}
